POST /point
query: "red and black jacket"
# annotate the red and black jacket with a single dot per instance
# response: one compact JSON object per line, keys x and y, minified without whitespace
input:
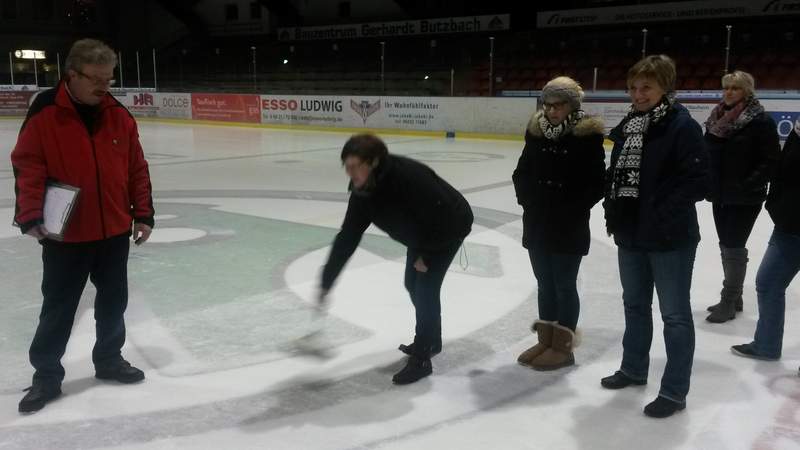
{"x":107,"y":164}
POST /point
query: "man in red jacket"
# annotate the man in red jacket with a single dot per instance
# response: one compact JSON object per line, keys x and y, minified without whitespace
{"x":78,"y":134}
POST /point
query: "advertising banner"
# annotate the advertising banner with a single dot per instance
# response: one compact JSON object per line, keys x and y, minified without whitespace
{"x":226,"y":107}
{"x":479,"y":115}
{"x":157,"y":104}
{"x":666,"y":12}
{"x":15,"y":103}
{"x":476,"y":115}
{"x":784,"y":112}
{"x":470,"y":24}
{"x":19,"y":87}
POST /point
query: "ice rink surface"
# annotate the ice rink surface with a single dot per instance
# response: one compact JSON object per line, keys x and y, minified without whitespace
{"x":220,"y":300}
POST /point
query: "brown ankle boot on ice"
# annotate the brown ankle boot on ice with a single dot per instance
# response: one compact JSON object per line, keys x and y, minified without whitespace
{"x":560,"y":352}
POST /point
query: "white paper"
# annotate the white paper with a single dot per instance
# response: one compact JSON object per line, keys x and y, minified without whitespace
{"x":58,"y":202}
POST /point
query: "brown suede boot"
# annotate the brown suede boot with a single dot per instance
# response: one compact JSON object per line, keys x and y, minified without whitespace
{"x":560,"y":352}
{"x":544,"y":330}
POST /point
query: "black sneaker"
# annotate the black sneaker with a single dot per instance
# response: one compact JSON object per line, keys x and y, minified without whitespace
{"x":38,"y":395}
{"x":414,"y":370}
{"x":747,"y":351}
{"x":412,"y":347}
{"x":121,"y":371}
{"x":619,"y":380}
{"x":663,"y":407}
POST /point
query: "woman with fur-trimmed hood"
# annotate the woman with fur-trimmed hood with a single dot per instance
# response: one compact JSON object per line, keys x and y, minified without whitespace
{"x":558,"y":179}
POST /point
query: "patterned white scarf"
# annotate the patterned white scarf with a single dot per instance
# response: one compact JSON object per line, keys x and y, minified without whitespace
{"x":555,"y":132}
{"x":625,"y":178}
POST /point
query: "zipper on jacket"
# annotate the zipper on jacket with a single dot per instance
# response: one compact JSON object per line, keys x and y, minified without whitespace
{"x":99,"y":192}
{"x":97,"y":171}
{"x":90,"y":134}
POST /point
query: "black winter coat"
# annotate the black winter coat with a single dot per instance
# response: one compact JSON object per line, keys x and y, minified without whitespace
{"x":408,"y":201}
{"x":783,"y":201}
{"x":673,"y":177}
{"x":742,"y":164}
{"x":557,"y":183}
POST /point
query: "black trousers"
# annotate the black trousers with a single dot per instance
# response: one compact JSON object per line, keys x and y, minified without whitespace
{"x":67,"y":266}
{"x":424,"y":289}
{"x":557,"y":276}
{"x":734,"y":223}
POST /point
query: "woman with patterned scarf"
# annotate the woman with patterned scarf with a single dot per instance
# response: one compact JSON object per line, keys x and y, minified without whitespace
{"x":781,"y":262}
{"x":658,"y":171}
{"x":742,"y":141}
{"x":558,"y":179}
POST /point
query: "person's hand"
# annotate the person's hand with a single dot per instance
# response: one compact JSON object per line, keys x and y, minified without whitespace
{"x":141,"y":232}
{"x":38,"y":231}
{"x":419,"y":265}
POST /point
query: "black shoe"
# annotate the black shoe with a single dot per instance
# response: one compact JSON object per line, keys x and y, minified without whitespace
{"x":411,"y":348}
{"x":663,"y":407}
{"x":38,"y":395}
{"x":121,"y":371}
{"x":619,"y":380}
{"x":414,"y":370}
{"x":723,"y":312}
{"x":747,"y":351}
{"x":739,"y":306}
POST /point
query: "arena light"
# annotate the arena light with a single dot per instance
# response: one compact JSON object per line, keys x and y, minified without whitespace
{"x":426,"y":77}
{"x":286,"y":61}
{"x":29,"y":54}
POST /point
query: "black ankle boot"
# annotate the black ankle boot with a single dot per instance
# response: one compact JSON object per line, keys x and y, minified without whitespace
{"x":663,"y":407}
{"x":619,"y":380}
{"x":415,"y":369}
{"x":411,"y":349}
{"x":121,"y":371}
{"x":38,"y":395}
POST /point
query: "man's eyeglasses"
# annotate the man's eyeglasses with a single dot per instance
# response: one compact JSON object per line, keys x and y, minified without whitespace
{"x":557,"y":105}
{"x":97,"y":81}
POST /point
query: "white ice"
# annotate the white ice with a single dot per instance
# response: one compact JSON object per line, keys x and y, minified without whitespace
{"x":225,"y":287}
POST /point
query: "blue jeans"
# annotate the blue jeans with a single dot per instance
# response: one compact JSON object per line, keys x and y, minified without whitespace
{"x":779,"y":266}
{"x":671,"y":274}
{"x":557,"y":276}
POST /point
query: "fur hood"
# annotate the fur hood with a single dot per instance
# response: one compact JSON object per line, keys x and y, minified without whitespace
{"x":586,"y":126}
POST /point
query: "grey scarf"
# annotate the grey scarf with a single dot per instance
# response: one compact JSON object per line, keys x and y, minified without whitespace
{"x":723,"y":123}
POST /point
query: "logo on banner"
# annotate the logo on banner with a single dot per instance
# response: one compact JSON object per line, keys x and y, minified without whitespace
{"x":496,"y":24}
{"x":785,"y":121}
{"x":365,"y":109}
{"x":781,"y":6}
{"x":143,"y":99}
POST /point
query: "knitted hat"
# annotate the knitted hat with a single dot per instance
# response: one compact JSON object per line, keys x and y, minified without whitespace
{"x":563,"y":89}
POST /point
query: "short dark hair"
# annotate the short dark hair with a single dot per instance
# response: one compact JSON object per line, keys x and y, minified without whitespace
{"x":367,"y":147}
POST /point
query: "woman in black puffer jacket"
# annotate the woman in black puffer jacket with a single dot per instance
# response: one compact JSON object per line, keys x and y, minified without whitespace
{"x":742,"y":141}
{"x":558,"y":179}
